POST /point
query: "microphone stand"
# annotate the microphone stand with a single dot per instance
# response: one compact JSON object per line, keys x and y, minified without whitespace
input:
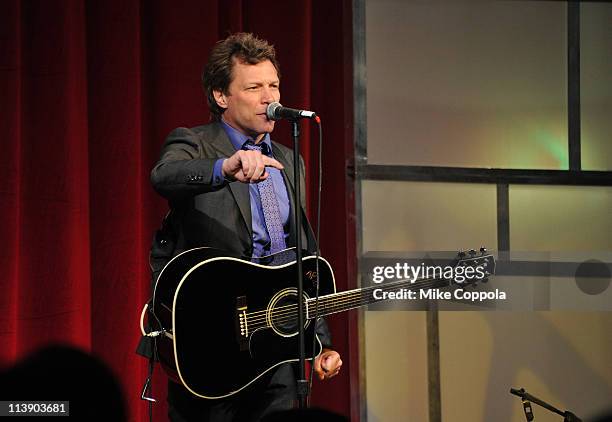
{"x":526,"y":398}
{"x":302,"y":383}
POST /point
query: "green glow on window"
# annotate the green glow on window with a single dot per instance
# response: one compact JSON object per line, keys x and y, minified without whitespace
{"x":556,"y":148}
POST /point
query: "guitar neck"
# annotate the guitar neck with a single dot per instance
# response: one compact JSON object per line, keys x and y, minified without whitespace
{"x":351,"y":299}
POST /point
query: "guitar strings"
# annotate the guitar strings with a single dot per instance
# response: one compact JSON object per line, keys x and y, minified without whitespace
{"x":325,"y":297}
{"x":337,"y":304}
{"x":337,"y":298}
{"x":357,"y":298}
{"x":331,"y":303}
{"x":351,"y":293}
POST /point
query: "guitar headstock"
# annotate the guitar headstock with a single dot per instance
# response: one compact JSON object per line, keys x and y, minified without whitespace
{"x":472,"y":267}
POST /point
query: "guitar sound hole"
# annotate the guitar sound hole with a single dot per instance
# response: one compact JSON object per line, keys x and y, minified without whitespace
{"x":282,"y":313}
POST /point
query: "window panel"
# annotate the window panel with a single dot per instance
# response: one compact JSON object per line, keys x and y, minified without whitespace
{"x":560,"y":218}
{"x":417,"y":216}
{"x":467,"y":83}
{"x":596,"y":85}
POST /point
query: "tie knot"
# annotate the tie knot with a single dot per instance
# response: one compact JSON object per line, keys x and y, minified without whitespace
{"x":251,"y":146}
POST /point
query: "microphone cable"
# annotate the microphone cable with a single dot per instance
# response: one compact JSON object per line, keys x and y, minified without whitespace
{"x":317,"y":119}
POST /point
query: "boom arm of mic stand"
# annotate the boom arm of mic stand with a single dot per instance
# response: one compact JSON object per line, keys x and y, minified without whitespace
{"x":567,"y":415}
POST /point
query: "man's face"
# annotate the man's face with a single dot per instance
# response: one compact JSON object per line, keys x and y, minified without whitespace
{"x":253,"y":87}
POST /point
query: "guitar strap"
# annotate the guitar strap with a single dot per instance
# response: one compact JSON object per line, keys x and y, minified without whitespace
{"x":162,"y":249}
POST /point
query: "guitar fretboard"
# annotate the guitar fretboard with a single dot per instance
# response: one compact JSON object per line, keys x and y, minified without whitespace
{"x":351,"y":299}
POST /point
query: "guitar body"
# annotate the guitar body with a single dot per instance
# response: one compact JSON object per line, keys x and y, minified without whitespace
{"x":228,"y":321}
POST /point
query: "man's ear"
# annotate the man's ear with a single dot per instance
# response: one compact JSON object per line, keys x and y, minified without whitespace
{"x":220,"y":98}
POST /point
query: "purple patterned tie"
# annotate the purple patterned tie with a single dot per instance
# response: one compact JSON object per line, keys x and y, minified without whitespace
{"x":269,"y":204}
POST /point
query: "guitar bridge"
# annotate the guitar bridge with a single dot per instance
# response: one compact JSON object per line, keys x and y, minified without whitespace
{"x":242,"y":326}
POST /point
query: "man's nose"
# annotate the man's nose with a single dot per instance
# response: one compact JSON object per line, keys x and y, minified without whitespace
{"x":268,"y":96}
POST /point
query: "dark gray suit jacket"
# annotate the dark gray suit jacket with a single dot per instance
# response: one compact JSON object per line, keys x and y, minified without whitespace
{"x":207,"y":216}
{"x":203,"y":215}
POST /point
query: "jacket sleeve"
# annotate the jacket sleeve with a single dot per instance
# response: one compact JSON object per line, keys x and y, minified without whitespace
{"x":183,"y":170}
{"x":323,"y":333}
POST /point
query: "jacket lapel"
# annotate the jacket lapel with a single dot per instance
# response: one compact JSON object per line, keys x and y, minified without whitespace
{"x":242,"y":197}
{"x":288,"y":171}
{"x":220,"y":141}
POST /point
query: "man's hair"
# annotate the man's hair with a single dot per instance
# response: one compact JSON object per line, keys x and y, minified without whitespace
{"x":217,"y":74}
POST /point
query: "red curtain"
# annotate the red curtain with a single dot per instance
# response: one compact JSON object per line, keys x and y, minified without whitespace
{"x":88,"y":91}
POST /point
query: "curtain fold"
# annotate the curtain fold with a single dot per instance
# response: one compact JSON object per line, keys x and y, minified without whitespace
{"x":118,"y":185}
{"x":47,"y":194}
{"x":89,"y":90}
{"x":10,"y":170}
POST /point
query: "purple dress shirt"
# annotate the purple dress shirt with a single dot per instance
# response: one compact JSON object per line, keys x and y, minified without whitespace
{"x":261,"y":238}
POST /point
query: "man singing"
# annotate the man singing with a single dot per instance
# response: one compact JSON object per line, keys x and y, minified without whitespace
{"x":215,"y":177}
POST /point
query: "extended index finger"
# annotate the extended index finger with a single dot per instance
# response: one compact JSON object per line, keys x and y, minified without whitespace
{"x":271,"y":162}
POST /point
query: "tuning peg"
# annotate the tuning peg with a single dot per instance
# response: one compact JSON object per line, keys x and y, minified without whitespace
{"x":472,"y":252}
{"x":483,"y":250}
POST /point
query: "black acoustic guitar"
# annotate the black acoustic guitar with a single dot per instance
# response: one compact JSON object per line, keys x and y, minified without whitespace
{"x":209,"y":307}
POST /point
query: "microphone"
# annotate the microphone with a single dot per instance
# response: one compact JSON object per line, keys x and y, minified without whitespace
{"x":276,"y":111}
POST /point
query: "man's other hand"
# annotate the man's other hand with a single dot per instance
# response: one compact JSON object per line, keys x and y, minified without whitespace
{"x":327,"y":364}
{"x":248,"y":166}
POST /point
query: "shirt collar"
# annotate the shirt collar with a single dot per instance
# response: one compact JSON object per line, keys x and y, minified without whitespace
{"x":238,"y":138}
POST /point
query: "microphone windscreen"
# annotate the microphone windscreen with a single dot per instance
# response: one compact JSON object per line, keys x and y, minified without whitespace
{"x":271,"y":110}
